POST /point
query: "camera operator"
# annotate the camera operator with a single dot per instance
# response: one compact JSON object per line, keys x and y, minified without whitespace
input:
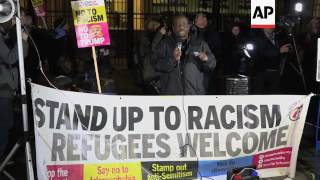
{"x":182,"y":60}
{"x":269,"y":52}
{"x":8,"y":81}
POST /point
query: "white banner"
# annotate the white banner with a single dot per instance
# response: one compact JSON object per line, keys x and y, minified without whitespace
{"x":91,"y":136}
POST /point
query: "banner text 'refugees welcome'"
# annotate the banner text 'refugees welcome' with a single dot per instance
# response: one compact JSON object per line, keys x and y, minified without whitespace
{"x":103,"y":130}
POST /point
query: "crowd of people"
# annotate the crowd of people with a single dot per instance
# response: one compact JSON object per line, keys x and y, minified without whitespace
{"x":181,"y":56}
{"x":61,"y":61}
{"x":191,"y":58}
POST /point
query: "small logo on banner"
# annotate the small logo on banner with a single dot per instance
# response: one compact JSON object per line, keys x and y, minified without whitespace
{"x":263,"y":13}
{"x":295,"y":111}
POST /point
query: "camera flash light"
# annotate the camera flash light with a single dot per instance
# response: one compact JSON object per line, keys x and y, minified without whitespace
{"x":298,"y":7}
{"x":249,"y":47}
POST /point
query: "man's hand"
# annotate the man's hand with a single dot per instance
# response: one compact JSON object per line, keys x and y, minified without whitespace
{"x":285,"y":48}
{"x":203,"y":56}
{"x":24,"y":36}
{"x":177,"y":54}
{"x":163,"y":30}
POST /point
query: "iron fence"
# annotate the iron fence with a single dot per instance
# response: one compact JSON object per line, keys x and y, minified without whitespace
{"x":127,"y":17}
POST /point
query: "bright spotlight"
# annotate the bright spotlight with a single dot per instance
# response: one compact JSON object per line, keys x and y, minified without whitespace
{"x":249,"y":46}
{"x":298,"y":7}
{"x":246,"y":53}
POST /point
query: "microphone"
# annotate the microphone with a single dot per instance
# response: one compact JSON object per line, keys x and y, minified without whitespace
{"x":179,"y":45}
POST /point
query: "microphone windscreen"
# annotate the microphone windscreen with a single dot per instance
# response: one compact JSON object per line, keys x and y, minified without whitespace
{"x":179,"y":45}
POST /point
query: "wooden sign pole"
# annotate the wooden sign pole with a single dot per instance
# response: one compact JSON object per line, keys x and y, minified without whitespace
{"x":44,"y":23}
{"x":94,"y":55}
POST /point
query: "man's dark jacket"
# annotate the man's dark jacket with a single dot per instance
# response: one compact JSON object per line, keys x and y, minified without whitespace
{"x":187,"y":76}
{"x":8,"y":71}
{"x":267,"y":55}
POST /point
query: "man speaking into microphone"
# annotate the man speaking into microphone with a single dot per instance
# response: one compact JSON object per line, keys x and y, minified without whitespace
{"x":182,"y":60}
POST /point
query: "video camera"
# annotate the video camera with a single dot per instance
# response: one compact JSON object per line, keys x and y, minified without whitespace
{"x":165,"y":21}
{"x":288,"y":22}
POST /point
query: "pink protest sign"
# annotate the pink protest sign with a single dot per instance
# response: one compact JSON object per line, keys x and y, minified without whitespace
{"x":38,"y":6}
{"x":92,"y":35}
{"x":90,"y":22}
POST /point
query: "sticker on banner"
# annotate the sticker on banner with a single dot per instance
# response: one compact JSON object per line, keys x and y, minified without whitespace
{"x":295,"y":111}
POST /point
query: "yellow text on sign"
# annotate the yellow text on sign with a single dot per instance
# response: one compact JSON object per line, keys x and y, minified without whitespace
{"x":112,"y":171}
{"x":37,"y":2}
{"x":89,"y":15}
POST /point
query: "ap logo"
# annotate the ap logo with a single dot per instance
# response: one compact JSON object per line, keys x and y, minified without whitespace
{"x":263,"y":14}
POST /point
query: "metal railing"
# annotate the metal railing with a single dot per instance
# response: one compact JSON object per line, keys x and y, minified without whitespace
{"x":127,"y":17}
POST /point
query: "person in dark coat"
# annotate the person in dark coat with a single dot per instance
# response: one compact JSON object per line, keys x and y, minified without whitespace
{"x":9,"y":80}
{"x":309,"y":63}
{"x":150,"y":39}
{"x":203,"y":30}
{"x":64,"y":46}
{"x":200,"y":27}
{"x":147,"y":45}
{"x":183,"y":60}
{"x":232,"y":50}
{"x":269,"y":53}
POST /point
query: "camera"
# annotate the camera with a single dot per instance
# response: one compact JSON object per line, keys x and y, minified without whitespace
{"x":165,"y":21}
{"x":288,"y":22}
{"x":291,"y":48}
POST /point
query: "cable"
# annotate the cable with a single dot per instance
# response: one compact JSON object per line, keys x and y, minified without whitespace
{"x":47,"y":79}
{"x":41,"y":69}
{"x":183,"y":148}
{"x":40,"y":66}
{"x":38,"y":54}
